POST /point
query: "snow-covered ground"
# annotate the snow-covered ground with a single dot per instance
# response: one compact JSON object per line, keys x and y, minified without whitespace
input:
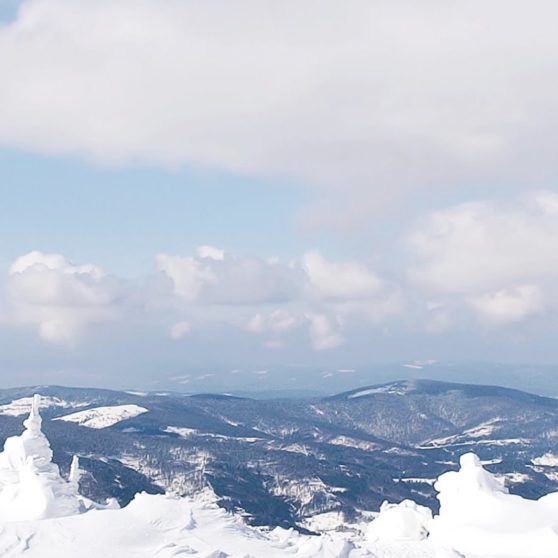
{"x":103,"y":417}
{"x":42,"y":515}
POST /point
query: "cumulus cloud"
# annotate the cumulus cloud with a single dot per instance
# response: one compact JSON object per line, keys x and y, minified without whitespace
{"x":351,"y":289}
{"x":488,"y":261}
{"x":180,"y":329}
{"x":369,"y":101}
{"x":498,"y":257}
{"x":279,"y":321}
{"x":340,"y":281}
{"x":188,"y":275}
{"x":210,"y":252}
{"x":263,"y":297}
{"x":324,"y":332}
{"x":314,"y":293}
{"x":510,"y":305}
{"x":230,"y":280}
{"x":58,"y":297}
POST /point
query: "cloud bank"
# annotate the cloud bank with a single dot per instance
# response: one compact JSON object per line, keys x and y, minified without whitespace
{"x":485,"y":263}
{"x":59,"y":298}
{"x":500,"y":258}
{"x":368,"y":102}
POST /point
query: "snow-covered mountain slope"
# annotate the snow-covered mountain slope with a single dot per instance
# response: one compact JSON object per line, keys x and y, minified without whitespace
{"x":477,"y":519}
{"x":281,"y":462}
{"x":21,"y":406}
{"x":103,"y":417}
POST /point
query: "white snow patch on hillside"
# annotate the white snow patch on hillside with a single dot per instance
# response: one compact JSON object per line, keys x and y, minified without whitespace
{"x":23,"y":405}
{"x":389,"y":389}
{"x":514,"y":478}
{"x":354,"y":443}
{"x":185,"y":432}
{"x":181,"y":431}
{"x":103,"y":417}
{"x":416,"y":480}
{"x":322,"y":522}
{"x":546,"y":460}
{"x":471,"y":435}
{"x":455,"y":442}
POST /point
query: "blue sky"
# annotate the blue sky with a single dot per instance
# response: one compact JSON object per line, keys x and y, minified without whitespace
{"x":84,"y":211}
{"x":206,"y":187}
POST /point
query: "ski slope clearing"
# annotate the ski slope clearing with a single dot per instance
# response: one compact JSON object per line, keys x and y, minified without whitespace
{"x":103,"y":417}
{"x":42,"y":515}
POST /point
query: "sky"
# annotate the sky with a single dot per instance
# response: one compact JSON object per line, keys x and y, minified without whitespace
{"x":195,"y":189}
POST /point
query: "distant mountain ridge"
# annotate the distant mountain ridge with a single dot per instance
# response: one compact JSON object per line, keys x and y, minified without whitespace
{"x":281,"y":461}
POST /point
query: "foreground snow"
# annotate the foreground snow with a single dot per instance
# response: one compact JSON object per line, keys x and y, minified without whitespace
{"x":164,"y":527}
{"x":43,"y":516}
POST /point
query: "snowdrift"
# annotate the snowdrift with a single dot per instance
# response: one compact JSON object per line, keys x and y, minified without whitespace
{"x":43,"y":515}
{"x":479,"y":517}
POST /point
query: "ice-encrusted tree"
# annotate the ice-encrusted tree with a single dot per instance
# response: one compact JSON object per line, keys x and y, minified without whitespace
{"x":31,"y":486}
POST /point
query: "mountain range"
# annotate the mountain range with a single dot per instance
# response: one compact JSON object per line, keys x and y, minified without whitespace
{"x":287,"y":462}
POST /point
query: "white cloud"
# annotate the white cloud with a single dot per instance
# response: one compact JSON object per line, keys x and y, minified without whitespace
{"x":180,"y":329}
{"x":509,"y":305}
{"x":273,"y":299}
{"x":483,"y":246}
{"x":324,"y":332}
{"x":438,"y":318}
{"x":368,"y":101}
{"x":230,"y":281}
{"x":280,"y":298}
{"x":211,"y":252}
{"x":256,"y":324}
{"x":278,"y":321}
{"x":500,"y":258}
{"x":59,"y":297}
{"x":281,"y":321}
{"x":340,"y":281}
{"x":188,"y":275}
{"x":262,"y":297}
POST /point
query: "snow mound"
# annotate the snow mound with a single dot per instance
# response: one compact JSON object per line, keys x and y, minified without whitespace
{"x":406,"y":521}
{"x":30,"y":484}
{"x":479,"y":517}
{"x":103,"y":417}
